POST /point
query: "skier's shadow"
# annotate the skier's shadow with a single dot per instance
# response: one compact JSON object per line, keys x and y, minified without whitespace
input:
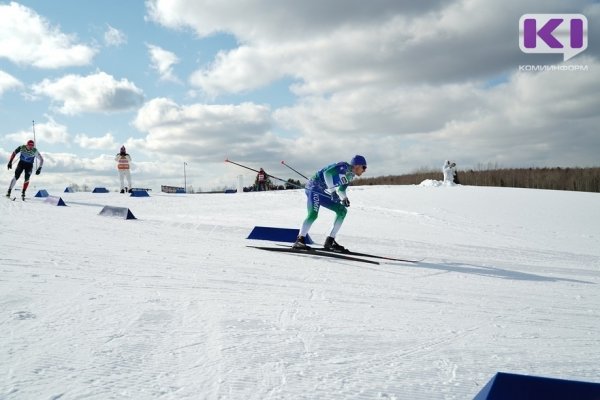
{"x":494,"y":272}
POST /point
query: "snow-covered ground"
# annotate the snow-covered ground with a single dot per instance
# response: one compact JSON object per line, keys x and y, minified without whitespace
{"x":173,"y":305}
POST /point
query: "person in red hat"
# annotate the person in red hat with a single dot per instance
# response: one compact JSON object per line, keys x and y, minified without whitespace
{"x":261,"y":182}
{"x":123,"y":159}
{"x":28,"y":155}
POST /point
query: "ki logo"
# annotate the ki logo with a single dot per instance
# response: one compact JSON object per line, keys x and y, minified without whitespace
{"x":565,"y":34}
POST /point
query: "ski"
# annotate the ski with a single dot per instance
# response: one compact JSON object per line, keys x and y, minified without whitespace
{"x":358,"y":254}
{"x":355,"y":253}
{"x":314,"y":252}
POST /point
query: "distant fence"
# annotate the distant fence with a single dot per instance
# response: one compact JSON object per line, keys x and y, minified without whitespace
{"x":171,"y":189}
{"x":576,"y":179}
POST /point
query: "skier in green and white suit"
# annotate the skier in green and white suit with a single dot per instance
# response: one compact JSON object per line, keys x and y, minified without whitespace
{"x":327,"y":188}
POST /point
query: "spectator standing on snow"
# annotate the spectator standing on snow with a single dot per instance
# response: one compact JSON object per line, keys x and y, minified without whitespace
{"x":28,"y":155}
{"x":456,"y":181}
{"x":123,"y":159}
{"x":327,"y":188}
{"x":449,"y":170}
{"x":261,"y":180}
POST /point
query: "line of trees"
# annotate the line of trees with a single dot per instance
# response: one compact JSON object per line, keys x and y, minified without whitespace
{"x":576,"y":179}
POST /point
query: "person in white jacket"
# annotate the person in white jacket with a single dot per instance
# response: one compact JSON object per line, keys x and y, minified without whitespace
{"x":123,"y":165}
{"x":449,"y":170}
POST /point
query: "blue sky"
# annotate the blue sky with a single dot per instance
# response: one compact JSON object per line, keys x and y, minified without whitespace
{"x":408,"y":85}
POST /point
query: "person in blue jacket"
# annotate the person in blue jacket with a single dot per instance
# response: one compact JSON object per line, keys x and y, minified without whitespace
{"x":28,"y":154}
{"x":327,"y":188}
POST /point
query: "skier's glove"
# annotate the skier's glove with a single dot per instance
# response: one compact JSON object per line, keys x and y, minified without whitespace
{"x":346,"y":202}
{"x":334,"y":197}
{"x":9,"y":166}
{"x":37,"y":171}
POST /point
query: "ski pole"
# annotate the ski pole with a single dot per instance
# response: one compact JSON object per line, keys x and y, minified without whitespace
{"x":34,"y":140}
{"x":274,"y":177}
{"x":269,"y":175}
{"x":283,"y":162}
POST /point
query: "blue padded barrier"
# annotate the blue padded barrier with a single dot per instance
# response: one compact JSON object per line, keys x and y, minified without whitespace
{"x":100,"y":190}
{"x":54,"y":200}
{"x":139,"y":193}
{"x":117,"y":212}
{"x":42,"y":193}
{"x":276,"y":234}
{"x":523,"y":387}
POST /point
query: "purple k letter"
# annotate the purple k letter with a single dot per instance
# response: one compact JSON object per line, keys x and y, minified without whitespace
{"x":545,"y":33}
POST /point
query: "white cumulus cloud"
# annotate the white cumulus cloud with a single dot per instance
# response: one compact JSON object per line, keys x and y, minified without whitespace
{"x":45,"y":132}
{"x":105,"y":142}
{"x":99,"y":92}
{"x":114,"y":37}
{"x":27,"y":38}
{"x":162,"y":61}
{"x":8,"y":82}
{"x":203,"y":131}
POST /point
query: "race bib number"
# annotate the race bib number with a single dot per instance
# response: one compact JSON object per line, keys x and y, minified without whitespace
{"x":340,"y":180}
